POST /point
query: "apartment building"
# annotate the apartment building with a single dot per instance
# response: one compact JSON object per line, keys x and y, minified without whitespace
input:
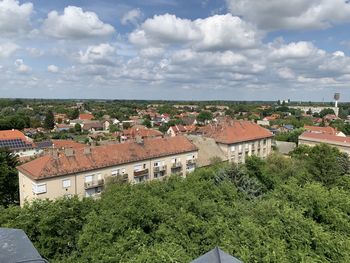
{"x":239,"y":139}
{"x":314,"y":138}
{"x":83,"y":171}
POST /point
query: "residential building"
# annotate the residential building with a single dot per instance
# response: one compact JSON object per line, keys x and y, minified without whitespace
{"x":180,"y":129}
{"x":139,"y":131}
{"x":239,"y":139}
{"x":325,"y":130}
{"x":313,"y":138}
{"x":216,"y":255}
{"x":86,"y":116}
{"x":84,"y":171}
{"x":18,"y":143}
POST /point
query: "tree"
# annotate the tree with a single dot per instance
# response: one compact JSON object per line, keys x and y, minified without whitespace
{"x":74,"y":114}
{"x":147,"y":123}
{"x":325,"y":112}
{"x":8,"y":178}
{"x":77,"y":127}
{"x":49,"y":122}
{"x":204,"y":116}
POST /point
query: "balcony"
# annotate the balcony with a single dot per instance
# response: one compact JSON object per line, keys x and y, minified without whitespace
{"x":158,"y":169}
{"x":141,"y":173}
{"x":176,"y":165}
{"x":93,"y":184}
{"x":191,"y":162}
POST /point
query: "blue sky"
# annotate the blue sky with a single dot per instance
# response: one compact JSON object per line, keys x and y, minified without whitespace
{"x":162,"y":49}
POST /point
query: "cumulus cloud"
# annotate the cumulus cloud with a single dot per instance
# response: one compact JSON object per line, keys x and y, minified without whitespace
{"x":14,"y":17}
{"x":74,"y":23}
{"x":295,"y":50}
{"x":100,"y":54}
{"x":219,"y":32}
{"x":296,"y":14}
{"x":21,"y":67}
{"x":131,"y":17}
{"x":7,"y":49}
{"x":52,"y":69}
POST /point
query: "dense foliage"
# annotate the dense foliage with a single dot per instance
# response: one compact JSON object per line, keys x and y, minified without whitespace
{"x":275,"y":210}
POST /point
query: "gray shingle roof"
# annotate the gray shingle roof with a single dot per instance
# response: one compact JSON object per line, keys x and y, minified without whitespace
{"x":15,"y":246}
{"x":216,"y":256}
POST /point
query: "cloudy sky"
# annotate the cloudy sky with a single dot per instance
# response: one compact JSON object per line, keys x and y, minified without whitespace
{"x":175,"y":49}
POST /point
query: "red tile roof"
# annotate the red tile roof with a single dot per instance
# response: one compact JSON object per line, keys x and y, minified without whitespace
{"x":105,"y":156}
{"x":141,"y":131}
{"x":326,"y":138}
{"x":318,"y":129}
{"x":12,"y":134}
{"x":60,"y":144}
{"x":236,"y":131}
{"x":86,"y":116}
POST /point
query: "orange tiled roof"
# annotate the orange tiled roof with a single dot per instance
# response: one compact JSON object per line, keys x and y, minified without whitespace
{"x":105,"y":156}
{"x":324,"y":137}
{"x":236,"y":131}
{"x":86,"y":116}
{"x":141,"y":131}
{"x":12,"y":134}
{"x":318,"y":129}
{"x":60,"y":144}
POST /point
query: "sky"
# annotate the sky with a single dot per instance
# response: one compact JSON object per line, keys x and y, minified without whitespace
{"x":175,"y":49}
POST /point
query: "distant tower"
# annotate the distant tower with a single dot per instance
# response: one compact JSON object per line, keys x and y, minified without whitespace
{"x":336,"y":98}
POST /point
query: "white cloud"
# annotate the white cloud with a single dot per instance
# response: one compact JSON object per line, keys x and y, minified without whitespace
{"x":21,"y":67}
{"x":295,"y":50}
{"x":219,"y":32}
{"x":74,"y":23}
{"x":52,"y":69}
{"x":101,"y":54}
{"x":132,"y":17}
{"x":296,"y":14}
{"x":14,"y":17}
{"x":35,"y":52}
{"x":7,"y":49}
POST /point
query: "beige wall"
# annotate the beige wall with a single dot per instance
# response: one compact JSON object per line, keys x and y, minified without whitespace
{"x":55,"y":189}
{"x":342,"y":148}
{"x":245,"y":149}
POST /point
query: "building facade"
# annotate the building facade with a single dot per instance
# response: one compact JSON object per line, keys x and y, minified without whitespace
{"x":240,"y":139}
{"x":84,"y":172}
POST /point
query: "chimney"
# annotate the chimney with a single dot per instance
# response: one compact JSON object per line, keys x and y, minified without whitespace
{"x":87,"y":150}
{"x":138,"y":139}
{"x":69,"y":152}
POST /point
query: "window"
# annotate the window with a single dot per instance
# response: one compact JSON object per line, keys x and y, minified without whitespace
{"x":138,"y":167}
{"x":89,"y":178}
{"x":240,"y":147}
{"x":189,"y":157}
{"x":157,"y":163}
{"x":66,"y":183}
{"x":39,"y":188}
{"x":233,"y":148}
{"x":119,"y":171}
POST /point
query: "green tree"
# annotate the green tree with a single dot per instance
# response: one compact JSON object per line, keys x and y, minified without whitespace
{"x":204,"y":116}
{"x":324,"y":112}
{"x":8,"y":178}
{"x":77,"y":127}
{"x":49,"y":122}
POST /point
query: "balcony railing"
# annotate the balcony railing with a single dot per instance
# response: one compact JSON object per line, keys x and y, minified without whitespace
{"x":191,"y":161}
{"x":141,"y":173}
{"x":157,"y":169}
{"x":176,"y":165}
{"x":93,"y":184}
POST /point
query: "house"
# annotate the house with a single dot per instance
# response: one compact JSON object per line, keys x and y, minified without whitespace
{"x":62,"y":127}
{"x":180,"y":129}
{"x":15,"y":246}
{"x":216,"y":255}
{"x":313,"y":138}
{"x":330,"y":117}
{"x":64,"y":144}
{"x":263,"y":122}
{"x":92,"y":126}
{"x":16,"y":142}
{"x":60,"y":117}
{"x":86,"y":116}
{"x":139,"y":131}
{"x":286,"y":128}
{"x":83,"y":172}
{"x":239,"y":139}
{"x":189,"y":121}
{"x":325,"y":130}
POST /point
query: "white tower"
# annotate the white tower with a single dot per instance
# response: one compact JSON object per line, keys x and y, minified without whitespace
{"x":336,"y":98}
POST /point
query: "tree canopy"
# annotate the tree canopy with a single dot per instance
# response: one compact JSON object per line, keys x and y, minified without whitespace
{"x":274,"y":210}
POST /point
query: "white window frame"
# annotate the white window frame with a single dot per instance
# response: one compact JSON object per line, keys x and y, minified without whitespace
{"x":89,"y":176}
{"x":39,"y":188}
{"x":66,"y":183}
